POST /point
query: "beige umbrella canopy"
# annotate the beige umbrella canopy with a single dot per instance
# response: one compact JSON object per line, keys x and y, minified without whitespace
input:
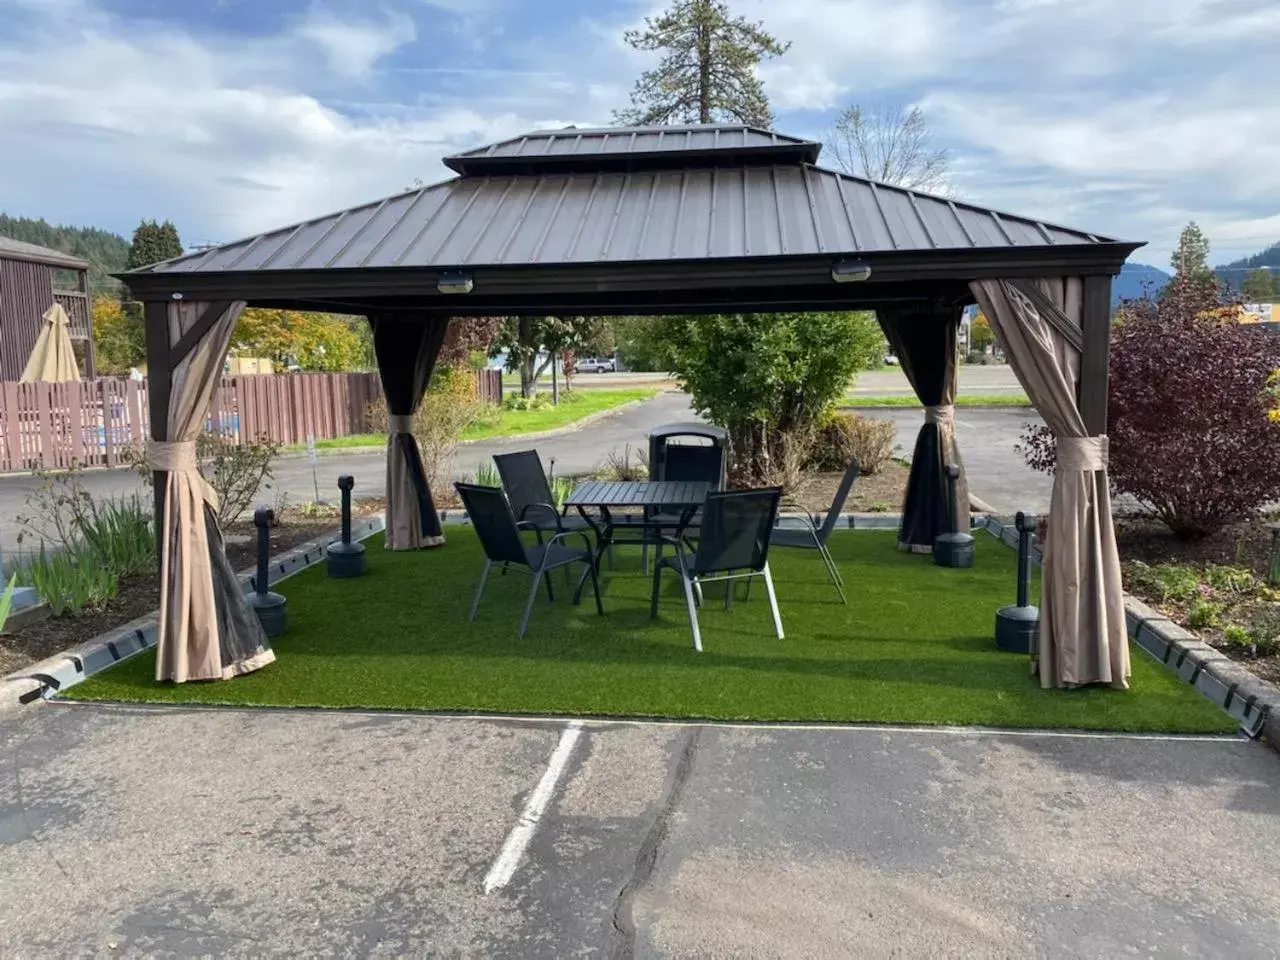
{"x":52,"y":359}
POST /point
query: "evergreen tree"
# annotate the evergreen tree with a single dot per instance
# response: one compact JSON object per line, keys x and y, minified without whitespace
{"x":106,"y":252}
{"x":153,"y":242}
{"x":708,"y":69}
{"x":1191,"y":257}
{"x":1259,"y":286}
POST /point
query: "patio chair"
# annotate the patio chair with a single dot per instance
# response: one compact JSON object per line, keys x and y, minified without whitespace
{"x":812,"y":536}
{"x":529,"y":492}
{"x":691,"y":462}
{"x":733,"y":545}
{"x":499,"y":534}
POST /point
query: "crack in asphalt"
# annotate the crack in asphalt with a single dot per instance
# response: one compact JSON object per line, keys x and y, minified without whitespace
{"x":623,"y":939}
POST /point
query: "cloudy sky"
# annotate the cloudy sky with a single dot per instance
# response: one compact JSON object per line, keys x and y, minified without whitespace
{"x":1124,"y":117}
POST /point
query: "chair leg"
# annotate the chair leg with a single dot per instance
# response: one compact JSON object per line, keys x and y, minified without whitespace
{"x":835,"y":574}
{"x":728,"y":591}
{"x":595,"y":587}
{"x":689,"y":586}
{"x":484,"y":578}
{"x":528,"y":606}
{"x":657,"y":585}
{"x":773,"y":601}
{"x":644,"y":558}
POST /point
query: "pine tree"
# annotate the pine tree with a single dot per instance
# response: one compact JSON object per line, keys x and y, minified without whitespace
{"x":1191,"y":258}
{"x":153,"y":242}
{"x":1259,"y":286}
{"x":708,"y":69}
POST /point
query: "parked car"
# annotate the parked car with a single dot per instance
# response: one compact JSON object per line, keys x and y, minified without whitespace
{"x":596,"y":365}
{"x":890,"y":360}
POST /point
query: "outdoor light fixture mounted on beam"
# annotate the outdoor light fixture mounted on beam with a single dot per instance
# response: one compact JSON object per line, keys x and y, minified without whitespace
{"x":850,"y":271}
{"x":454,"y":281}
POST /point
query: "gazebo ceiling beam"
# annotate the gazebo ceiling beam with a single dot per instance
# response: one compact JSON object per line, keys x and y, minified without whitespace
{"x":536,"y":283}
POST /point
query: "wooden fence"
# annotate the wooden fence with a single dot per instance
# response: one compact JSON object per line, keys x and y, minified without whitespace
{"x":91,"y":422}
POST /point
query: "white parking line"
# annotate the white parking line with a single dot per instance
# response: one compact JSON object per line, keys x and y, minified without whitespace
{"x":504,"y":867}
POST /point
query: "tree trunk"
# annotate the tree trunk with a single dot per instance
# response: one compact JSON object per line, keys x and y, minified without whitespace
{"x":704,"y":71}
{"x":527,"y":339}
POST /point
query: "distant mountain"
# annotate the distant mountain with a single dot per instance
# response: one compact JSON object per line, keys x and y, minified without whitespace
{"x":1233,"y":274}
{"x":1136,"y":280}
{"x":106,"y":252}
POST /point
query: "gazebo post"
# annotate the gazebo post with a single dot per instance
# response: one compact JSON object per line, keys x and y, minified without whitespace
{"x":159,"y":378}
{"x":1095,"y":357}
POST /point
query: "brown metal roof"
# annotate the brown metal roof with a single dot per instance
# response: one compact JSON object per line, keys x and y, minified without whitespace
{"x":32,"y":253}
{"x":578,"y":218}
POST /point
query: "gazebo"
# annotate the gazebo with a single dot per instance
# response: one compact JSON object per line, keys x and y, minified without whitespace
{"x":652,"y":220}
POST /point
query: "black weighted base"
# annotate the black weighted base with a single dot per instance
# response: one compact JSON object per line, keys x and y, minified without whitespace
{"x":345,"y":559}
{"x":272,"y":612}
{"x":953,"y":550}
{"x":1016,"y":628}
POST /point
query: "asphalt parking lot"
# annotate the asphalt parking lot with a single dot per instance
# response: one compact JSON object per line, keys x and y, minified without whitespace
{"x":131,"y":831}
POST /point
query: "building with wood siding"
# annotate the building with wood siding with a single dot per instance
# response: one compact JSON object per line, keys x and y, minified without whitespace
{"x":32,"y":279}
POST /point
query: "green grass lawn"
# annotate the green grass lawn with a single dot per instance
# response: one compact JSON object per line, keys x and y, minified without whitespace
{"x":579,"y":404}
{"x":509,"y":423}
{"x":964,"y":400}
{"x":913,"y":646}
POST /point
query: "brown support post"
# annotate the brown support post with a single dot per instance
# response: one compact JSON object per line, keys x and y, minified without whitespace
{"x":159,"y":376}
{"x":1094,"y":359}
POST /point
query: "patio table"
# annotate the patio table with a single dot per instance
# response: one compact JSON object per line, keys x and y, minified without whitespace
{"x":680,"y":498}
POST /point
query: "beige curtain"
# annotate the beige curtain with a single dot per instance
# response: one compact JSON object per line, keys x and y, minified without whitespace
{"x":52,"y":359}
{"x":207,"y":631}
{"x":1082,"y":630}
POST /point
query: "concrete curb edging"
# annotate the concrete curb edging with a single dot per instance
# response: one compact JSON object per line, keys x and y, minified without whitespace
{"x":49,"y":676}
{"x":1253,"y":702}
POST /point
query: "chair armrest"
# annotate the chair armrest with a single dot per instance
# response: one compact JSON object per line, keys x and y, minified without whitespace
{"x":549,"y":509}
{"x":572,"y":533}
{"x":807,"y":516}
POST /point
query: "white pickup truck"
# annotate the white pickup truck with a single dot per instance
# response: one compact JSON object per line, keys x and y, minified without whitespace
{"x":596,"y":365}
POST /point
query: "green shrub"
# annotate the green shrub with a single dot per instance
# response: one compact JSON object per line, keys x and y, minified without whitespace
{"x":1164,"y":582}
{"x":121,"y":534}
{"x":1203,"y":614}
{"x":1265,"y":629}
{"x":514,"y":401}
{"x":1239,"y":636}
{"x":843,"y":437}
{"x":1232,"y":579}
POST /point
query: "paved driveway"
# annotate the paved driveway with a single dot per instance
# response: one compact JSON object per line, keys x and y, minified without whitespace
{"x":130,"y":832}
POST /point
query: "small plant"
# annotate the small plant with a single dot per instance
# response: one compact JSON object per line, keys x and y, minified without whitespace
{"x":1231,"y":579}
{"x":121,"y":534}
{"x":518,"y":403}
{"x":69,"y":580}
{"x":1204,"y":613}
{"x":1164,"y":582}
{"x":310,"y":510}
{"x":620,"y":466}
{"x":487,"y":475}
{"x":561,"y":487}
{"x":1241,"y":637}
{"x":1265,"y":627}
{"x":56,"y":509}
{"x":6,"y":601}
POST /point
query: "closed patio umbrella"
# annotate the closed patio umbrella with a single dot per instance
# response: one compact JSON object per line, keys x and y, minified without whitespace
{"x":52,"y":359}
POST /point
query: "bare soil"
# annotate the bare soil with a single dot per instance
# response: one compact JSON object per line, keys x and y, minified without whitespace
{"x":1246,"y":545}
{"x":881,"y":492}
{"x":141,"y":595}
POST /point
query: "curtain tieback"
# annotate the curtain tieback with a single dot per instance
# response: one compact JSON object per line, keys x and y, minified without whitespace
{"x":944,"y":415}
{"x":400,"y":423}
{"x":178,"y":456}
{"x":1082,"y":454}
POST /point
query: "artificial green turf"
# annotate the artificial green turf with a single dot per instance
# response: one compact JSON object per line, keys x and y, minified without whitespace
{"x":914,"y":646}
{"x":963,"y":400}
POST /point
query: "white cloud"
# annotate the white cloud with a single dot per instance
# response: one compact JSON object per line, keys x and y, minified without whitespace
{"x":353,"y":47}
